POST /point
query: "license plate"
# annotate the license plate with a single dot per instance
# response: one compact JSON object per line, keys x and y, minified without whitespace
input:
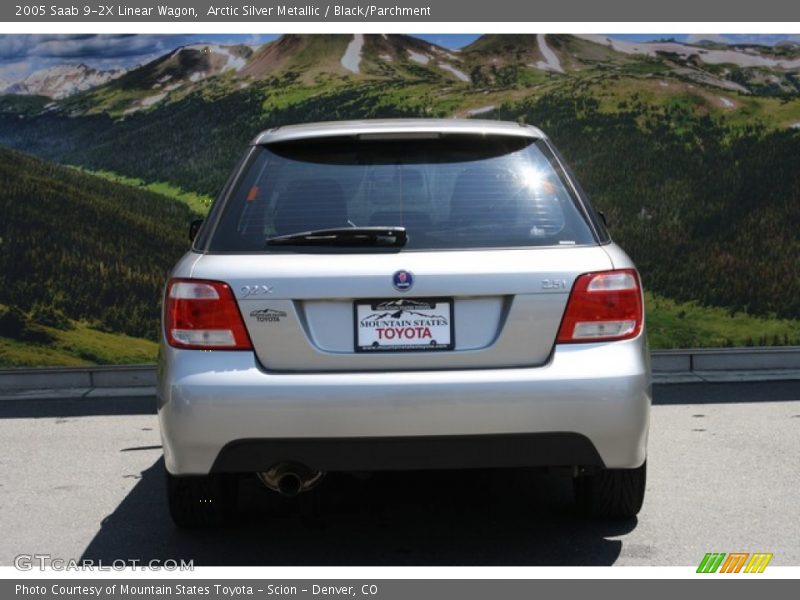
{"x":404,"y":324}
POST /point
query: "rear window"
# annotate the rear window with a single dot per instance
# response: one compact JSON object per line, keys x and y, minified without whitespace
{"x":451,"y":192}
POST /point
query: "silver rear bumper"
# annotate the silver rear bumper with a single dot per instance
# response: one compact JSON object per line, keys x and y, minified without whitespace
{"x":212,"y":400}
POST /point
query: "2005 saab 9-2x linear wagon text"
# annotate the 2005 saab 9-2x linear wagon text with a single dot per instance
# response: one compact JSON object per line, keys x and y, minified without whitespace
{"x":402,"y":294}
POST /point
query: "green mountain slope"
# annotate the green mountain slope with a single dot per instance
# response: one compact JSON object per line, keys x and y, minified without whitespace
{"x":93,"y":250}
{"x":71,"y":344}
{"x":693,"y":160}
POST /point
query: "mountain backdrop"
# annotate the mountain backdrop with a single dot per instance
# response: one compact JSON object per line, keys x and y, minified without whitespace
{"x":690,"y":150}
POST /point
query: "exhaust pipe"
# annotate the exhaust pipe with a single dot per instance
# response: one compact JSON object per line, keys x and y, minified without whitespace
{"x":290,"y":485}
{"x":290,"y":479}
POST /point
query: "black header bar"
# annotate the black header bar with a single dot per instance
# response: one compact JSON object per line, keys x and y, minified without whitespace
{"x":408,"y":11}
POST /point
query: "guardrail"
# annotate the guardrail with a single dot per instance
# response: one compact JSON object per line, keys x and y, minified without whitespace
{"x":105,"y":376}
{"x":663,"y":361}
{"x":726,"y":359}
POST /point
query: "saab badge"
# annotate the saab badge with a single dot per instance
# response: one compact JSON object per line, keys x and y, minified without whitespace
{"x":402,"y":281}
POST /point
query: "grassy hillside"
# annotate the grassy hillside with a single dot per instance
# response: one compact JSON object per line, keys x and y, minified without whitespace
{"x":74,"y":344}
{"x":197,"y":203}
{"x":87,"y":248}
{"x":673,"y":324}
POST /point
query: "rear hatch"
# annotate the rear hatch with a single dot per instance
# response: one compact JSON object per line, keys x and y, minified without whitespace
{"x":493,"y":239}
{"x":301,"y":311}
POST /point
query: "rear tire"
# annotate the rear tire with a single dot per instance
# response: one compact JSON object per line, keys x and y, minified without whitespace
{"x":611,"y":493}
{"x":198,"y":501}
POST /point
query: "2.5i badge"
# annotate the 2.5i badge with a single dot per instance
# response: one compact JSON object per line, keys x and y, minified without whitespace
{"x":268,"y":315}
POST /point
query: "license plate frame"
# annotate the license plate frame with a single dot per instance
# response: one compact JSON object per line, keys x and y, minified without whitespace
{"x":410,"y":306}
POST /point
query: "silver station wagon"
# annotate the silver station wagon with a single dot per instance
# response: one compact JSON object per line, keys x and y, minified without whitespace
{"x":402,"y":294}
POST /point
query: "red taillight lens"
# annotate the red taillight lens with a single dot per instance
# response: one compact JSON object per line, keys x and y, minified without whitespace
{"x":603,"y":306}
{"x":203,"y":315}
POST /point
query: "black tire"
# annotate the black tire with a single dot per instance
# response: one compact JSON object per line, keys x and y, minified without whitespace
{"x":202,"y":501}
{"x":611,"y":493}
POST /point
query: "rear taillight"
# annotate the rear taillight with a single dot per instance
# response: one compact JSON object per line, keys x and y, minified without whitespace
{"x":203,"y":315}
{"x":603,"y":306}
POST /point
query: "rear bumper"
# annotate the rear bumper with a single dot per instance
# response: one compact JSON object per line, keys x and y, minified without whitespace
{"x":421,"y":452}
{"x":588,"y":405}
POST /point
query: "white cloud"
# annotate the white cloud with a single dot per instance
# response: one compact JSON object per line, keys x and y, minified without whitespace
{"x":22,"y":54}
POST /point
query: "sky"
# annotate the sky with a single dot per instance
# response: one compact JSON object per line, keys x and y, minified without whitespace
{"x":21,"y":55}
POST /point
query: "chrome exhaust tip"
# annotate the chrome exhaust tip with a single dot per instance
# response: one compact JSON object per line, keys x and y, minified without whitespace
{"x":290,"y":479}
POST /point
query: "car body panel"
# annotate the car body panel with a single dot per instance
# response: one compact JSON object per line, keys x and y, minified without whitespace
{"x":208,"y":399}
{"x":390,"y":127}
{"x":505,"y":313}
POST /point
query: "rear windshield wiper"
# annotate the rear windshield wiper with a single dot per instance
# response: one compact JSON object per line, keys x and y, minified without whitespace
{"x":344,"y":236}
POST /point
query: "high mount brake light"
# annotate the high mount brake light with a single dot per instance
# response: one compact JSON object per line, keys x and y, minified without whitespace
{"x":203,"y":315}
{"x":603,"y":306}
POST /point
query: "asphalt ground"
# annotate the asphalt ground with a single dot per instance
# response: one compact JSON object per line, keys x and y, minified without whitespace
{"x":82,"y":478}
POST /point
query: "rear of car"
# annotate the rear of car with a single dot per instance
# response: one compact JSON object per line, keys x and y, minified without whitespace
{"x":402,"y":294}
